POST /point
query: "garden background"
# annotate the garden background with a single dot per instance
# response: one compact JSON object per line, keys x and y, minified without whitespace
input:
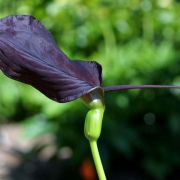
{"x":136,"y":42}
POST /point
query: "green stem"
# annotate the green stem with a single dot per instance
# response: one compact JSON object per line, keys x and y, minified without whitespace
{"x":93,"y":125}
{"x":97,"y":160}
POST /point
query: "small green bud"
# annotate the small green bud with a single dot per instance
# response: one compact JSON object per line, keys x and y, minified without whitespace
{"x":93,"y":121}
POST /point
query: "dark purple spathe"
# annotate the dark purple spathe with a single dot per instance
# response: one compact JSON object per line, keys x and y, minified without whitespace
{"x":29,"y":54}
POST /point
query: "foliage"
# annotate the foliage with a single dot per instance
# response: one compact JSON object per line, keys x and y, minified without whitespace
{"x":137,"y":42}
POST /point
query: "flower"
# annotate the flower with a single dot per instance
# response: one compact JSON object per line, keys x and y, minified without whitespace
{"x":29,"y":54}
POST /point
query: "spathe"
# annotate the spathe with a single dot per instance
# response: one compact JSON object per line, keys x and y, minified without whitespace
{"x":29,"y":54}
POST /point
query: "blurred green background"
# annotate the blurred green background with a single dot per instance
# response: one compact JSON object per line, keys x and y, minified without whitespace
{"x":136,"y":42}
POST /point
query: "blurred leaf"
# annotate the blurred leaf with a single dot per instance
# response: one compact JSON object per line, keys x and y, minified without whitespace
{"x":36,"y":126}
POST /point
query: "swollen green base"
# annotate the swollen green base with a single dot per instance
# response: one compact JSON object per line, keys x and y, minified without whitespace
{"x":92,"y":128}
{"x":97,"y":160}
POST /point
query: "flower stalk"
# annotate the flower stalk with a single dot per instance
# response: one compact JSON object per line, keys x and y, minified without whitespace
{"x":92,"y":126}
{"x":97,"y":160}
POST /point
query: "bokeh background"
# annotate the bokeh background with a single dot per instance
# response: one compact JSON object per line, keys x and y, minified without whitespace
{"x":136,"y":42}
